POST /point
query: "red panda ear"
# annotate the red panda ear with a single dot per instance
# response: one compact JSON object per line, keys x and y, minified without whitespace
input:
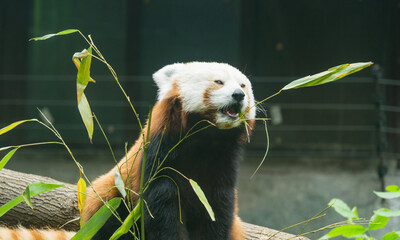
{"x":164,"y":78}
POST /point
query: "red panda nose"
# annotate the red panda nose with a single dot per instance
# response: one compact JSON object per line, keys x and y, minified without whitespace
{"x":238,"y":95}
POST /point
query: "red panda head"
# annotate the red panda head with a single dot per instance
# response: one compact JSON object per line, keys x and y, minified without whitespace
{"x":217,"y":90}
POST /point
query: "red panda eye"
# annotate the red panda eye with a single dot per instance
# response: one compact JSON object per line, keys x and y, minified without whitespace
{"x":219,"y":82}
{"x":242,"y":85}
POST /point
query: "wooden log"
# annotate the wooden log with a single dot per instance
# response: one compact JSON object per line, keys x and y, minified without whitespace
{"x":58,"y":208}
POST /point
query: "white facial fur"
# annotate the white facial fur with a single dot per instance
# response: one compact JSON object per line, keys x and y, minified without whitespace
{"x":196,"y":84}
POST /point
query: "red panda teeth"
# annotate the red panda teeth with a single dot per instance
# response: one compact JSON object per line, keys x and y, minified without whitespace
{"x":231,"y":112}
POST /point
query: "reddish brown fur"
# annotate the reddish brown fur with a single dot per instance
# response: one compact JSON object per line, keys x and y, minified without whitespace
{"x":161,"y":119}
{"x":33,"y":234}
{"x":104,"y":185}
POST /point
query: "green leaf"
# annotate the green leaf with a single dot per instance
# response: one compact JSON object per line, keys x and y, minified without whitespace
{"x":27,"y":197}
{"x":391,"y":236}
{"x":393,"y":188}
{"x":347,"y":231}
{"x":82,"y":80}
{"x":330,"y":75}
{"x":6,"y":207}
{"x":65,"y":32}
{"x":83,"y":54}
{"x":384,"y":212}
{"x":32,"y":189}
{"x":128,"y":222}
{"x":119,"y":183}
{"x":200,"y":194}
{"x":86,"y":114}
{"x":355,"y":212}
{"x":83,"y":75}
{"x":7,"y":157}
{"x":41,"y":187}
{"x":342,"y":208}
{"x":15,"y":124}
{"x":97,"y":220}
{"x":377,"y":222}
{"x":388,"y":195}
{"x":77,"y":64}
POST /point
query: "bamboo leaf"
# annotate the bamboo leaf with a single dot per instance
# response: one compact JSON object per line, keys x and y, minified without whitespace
{"x":128,"y":222}
{"x":330,"y":75}
{"x":391,"y":236}
{"x":83,"y":75}
{"x":387,"y":195}
{"x":377,"y":222}
{"x":119,"y":183}
{"x":41,"y":187}
{"x":7,"y":157}
{"x":97,"y":220}
{"x":81,"y":187}
{"x":384,"y":212}
{"x":83,"y":54}
{"x":347,"y":231}
{"x":65,"y":32}
{"x":200,"y":194}
{"x":6,"y":207}
{"x":15,"y":124}
{"x":77,"y":64}
{"x":393,"y":188}
{"x":86,"y":114}
{"x":342,"y":208}
{"x":32,"y":189}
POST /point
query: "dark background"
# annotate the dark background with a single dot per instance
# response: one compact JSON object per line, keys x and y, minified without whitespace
{"x":351,"y":124}
{"x":273,"y":42}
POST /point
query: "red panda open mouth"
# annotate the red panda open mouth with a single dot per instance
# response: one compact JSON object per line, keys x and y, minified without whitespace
{"x":231,"y":111}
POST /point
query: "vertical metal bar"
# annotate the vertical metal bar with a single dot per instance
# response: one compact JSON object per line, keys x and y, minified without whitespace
{"x":380,"y":122}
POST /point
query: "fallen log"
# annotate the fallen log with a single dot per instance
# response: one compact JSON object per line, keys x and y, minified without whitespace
{"x":59,"y":208}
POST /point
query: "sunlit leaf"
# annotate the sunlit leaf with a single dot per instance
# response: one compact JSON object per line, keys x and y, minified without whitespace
{"x":32,"y":189}
{"x":97,"y":220}
{"x":82,"y":78}
{"x":330,"y":75}
{"x":81,"y":186}
{"x":9,"y":205}
{"x":393,"y":188}
{"x":83,"y":54}
{"x":77,"y":64}
{"x":342,"y":208}
{"x":65,"y":32}
{"x":119,"y":183}
{"x":128,"y":222}
{"x":384,"y":212}
{"x":377,"y":222}
{"x":200,"y":194}
{"x":388,"y":195}
{"x":27,"y":197}
{"x":15,"y":124}
{"x":7,"y":157}
{"x":86,"y":114}
{"x":391,"y":236}
{"x":355,"y":212}
{"x":347,"y":231}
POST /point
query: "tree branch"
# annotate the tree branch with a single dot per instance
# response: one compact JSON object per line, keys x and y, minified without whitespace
{"x":58,"y":208}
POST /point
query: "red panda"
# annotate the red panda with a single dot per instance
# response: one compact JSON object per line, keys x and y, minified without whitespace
{"x":34,"y":234}
{"x":205,"y":99}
